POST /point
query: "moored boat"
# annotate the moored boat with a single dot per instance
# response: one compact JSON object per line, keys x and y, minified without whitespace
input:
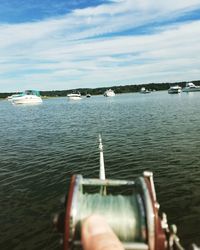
{"x":144,"y":91}
{"x":27,"y":97}
{"x":109,"y":93}
{"x":74,"y":96}
{"x":174,"y":89}
{"x":191,"y":87}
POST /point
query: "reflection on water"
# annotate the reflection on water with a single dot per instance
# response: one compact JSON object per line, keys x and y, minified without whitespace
{"x":42,"y":146}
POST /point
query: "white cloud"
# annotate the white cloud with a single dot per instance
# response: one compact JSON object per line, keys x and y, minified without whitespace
{"x":59,"y":53}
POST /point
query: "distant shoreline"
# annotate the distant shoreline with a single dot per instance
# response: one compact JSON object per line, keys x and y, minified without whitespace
{"x":99,"y":91}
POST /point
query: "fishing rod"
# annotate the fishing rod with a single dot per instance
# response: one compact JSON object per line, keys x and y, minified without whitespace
{"x":134,"y":216}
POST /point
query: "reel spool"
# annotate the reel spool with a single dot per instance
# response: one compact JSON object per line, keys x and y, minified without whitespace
{"x":133,"y":216}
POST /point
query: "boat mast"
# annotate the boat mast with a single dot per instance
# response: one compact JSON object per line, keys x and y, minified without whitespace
{"x":102,"y":168}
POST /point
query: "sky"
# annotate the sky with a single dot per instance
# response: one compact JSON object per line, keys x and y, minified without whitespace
{"x":68,"y":44}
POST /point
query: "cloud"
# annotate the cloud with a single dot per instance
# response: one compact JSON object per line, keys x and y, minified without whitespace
{"x":101,"y":45}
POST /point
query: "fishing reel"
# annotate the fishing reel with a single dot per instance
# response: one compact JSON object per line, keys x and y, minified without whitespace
{"x":140,"y":229}
{"x":129,"y":207}
{"x":136,"y":219}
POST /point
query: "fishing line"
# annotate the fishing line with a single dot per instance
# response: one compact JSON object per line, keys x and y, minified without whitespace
{"x":123,"y":213}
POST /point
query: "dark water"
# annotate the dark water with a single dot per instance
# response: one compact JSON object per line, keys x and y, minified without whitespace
{"x":42,"y":146}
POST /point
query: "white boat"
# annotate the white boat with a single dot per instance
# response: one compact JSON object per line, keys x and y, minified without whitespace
{"x":174,"y":89}
{"x":74,"y":96}
{"x":109,"y":93}
{"x":191,"y":87}
{"x":27,"y":97}
{"x":144,"y":91}
{"x":9,"y":98}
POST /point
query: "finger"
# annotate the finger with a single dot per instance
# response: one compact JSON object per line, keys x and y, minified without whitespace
{"x":97,"y":235}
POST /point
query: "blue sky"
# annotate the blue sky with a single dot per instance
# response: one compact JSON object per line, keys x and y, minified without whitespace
{"x":62,"y":44}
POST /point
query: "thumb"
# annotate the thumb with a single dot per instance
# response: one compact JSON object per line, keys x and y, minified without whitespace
{"x":97,"y":235}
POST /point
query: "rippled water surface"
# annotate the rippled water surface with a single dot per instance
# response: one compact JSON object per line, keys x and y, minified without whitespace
{"x":42,"y":146}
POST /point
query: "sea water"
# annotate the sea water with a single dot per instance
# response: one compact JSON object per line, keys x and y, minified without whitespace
{"x":42,"y":146}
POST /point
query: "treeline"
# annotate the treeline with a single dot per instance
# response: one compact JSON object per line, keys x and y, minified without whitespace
{"x":117,"y":89}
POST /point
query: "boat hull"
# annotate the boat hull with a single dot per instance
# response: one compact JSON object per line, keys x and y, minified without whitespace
{"x":30,"y":99}
{"x":145,"y":92}
{"x":197,"y":89}
{"x":109,"y":95}
{"x":74,"y":98}
{"x":174,"y":91}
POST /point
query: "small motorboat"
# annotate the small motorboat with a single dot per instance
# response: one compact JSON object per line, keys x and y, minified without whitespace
{"x":174,"y":89}
{"x":109,"y":93}
{"x":191,"y":87}
{"x":144,"y":91}
{"x":74,"y":96}
{"x":27,"y":97}
{"x":88,"y":95}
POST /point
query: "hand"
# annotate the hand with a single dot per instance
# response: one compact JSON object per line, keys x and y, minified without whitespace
{"x":97,"y":235}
